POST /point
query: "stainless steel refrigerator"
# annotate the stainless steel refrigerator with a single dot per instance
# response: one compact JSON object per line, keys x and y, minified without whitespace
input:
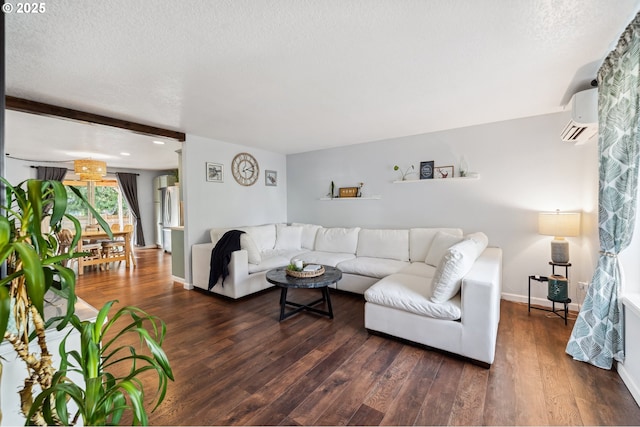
{"x":166,"y":202}
{"x":170,"y":214}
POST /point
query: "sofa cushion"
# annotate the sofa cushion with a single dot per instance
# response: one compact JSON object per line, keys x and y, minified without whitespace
{"x":247,"y":243}
{"x":288,"y":237}
{"x":441,"y":242}
{"x":216,"y":233}
{"x":326,"y":258}
{"x":268,"y":263}
{"x":264,"y":236}
{"x":308,"y":234}
{"x":391,"y":244}
{"x":420,"y":240}
{"x":411,"y":293}
{"x":340,"y":240}
{"x":455,"y":264}
{"x":372,"y":267}
{"x":419,"y":269}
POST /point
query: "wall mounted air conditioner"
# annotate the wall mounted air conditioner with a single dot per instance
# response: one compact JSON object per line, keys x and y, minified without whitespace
{"x":584,"y":117}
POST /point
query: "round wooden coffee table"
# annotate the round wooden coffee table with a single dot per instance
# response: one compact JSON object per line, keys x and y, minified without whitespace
{"x":280,"y":278}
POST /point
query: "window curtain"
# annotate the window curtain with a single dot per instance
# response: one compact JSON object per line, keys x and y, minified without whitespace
{"x":47,"y":173}
{"x":598,"y":335}
{"x":129,"y":185}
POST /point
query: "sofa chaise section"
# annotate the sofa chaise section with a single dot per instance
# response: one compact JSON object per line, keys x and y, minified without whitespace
{"x":472,"y":336}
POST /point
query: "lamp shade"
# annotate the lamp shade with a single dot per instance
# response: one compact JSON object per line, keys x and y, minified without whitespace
{"x":559,"y":224}
{"x":90,"y":170}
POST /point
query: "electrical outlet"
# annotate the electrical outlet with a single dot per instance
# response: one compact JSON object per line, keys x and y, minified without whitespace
{"x":583,"y":286}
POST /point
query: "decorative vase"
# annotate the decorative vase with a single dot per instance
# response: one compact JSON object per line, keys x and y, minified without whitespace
{"x":464,"y":167}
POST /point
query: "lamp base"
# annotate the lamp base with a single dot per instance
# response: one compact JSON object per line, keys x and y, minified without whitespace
{"x":559,"y":251}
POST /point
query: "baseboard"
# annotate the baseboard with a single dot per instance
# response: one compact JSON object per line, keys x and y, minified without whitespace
{"x":542,"y":302}
{"x":629,"y":382}
{"x":187,"y":286}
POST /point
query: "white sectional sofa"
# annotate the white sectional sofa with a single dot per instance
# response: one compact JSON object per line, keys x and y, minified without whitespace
{"x":432,"y":286}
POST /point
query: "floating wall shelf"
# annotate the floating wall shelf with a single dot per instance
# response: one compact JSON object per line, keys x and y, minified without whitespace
{"x":352,"y":198}
{"x":460,"y":178}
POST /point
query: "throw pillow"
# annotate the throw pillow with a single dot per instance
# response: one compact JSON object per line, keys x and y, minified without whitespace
{"x":439,"y":246}
{"x":455,"y":264}
{"x":247,"y":243}
{"x":480,"y":239}
{"x":288,"y":237}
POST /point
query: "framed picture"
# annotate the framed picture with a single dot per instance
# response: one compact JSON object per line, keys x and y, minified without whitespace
{"x":270,"y":178}
{"x":426,"y":170}
{"x":441,"y":172}
{"x":215,"y":172}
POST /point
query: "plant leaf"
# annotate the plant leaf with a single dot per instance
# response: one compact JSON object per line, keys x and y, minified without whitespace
{"x":67,"y":289}
{"x":103,"y":224}
{"x":5,"y":231}
{"x":33,"y":273}
{"x":5,"y":310}
{"x":59,"y":202}
{"x":34,"y":194}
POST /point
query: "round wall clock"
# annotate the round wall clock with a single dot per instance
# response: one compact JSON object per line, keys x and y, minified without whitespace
{"x":245,"y":169}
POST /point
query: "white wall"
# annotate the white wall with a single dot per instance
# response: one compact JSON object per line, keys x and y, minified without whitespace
{"x":227,"y":204}
{"x":19,"y":170}
{"x":524,"y":168}
{"x":629,"y":260}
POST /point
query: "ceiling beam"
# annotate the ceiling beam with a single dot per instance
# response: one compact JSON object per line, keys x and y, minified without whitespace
{"x":42,"y":109}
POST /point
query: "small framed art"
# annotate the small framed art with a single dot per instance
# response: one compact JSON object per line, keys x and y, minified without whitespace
{"x":215,"y":172}
{"x":441,"y":172}
{"x":270,"y":178}
{"x":426,"y":170}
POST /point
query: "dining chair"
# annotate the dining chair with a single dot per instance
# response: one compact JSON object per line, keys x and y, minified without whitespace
{"x":114,"y":247}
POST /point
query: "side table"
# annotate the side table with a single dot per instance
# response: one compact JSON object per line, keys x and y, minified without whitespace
{"x":562,"y":313}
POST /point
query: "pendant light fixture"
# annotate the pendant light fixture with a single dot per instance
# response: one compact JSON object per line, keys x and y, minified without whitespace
{"x":90,"y":170}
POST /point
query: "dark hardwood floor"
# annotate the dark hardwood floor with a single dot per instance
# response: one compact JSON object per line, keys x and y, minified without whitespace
{"x":235,"y":364}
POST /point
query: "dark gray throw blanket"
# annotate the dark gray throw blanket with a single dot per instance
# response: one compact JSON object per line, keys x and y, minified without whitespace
{"x":221,"y":255}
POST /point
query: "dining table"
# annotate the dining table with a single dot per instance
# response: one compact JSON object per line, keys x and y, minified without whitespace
{"x":88,"y":236}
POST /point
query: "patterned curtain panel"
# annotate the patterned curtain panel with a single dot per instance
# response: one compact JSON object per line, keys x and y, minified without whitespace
{"x":597,"y":335}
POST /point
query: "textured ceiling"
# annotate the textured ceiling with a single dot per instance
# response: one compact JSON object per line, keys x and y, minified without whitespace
{"x":294,"y":75}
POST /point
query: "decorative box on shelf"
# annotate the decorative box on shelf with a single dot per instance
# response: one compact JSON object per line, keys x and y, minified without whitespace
{"x":348,"y":191}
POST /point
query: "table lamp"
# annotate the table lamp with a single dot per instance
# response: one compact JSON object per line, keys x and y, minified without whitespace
{"x":560,"y":225}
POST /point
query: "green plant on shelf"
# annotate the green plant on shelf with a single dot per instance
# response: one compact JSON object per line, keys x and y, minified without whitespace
{"x":404,"y":174}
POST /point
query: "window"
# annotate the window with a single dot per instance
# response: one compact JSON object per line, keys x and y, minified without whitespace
{"x":105,"y":196}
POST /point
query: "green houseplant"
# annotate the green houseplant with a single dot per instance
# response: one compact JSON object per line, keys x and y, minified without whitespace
{"x":31,"y":217}
{"x":404,"y":174}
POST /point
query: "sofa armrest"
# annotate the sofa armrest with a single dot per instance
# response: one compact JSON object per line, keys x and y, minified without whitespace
{"x":481,"y":291}
{"x":201,"y":263}
{"x":238,"y":267}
